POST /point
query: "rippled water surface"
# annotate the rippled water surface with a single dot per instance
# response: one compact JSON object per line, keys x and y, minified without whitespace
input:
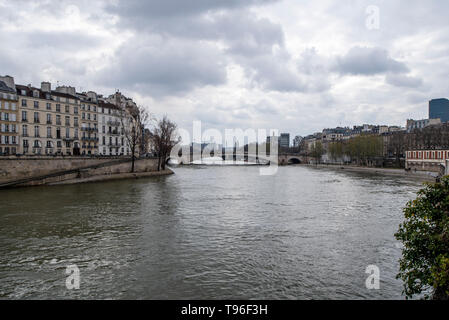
{"x":206,"y":233}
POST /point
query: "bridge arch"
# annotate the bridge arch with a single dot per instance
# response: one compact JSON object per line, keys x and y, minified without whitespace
{"x":294,"y":160}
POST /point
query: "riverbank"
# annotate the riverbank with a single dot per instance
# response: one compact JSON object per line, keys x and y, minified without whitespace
{"x":115,"y":176}
{"x":418,"y":175}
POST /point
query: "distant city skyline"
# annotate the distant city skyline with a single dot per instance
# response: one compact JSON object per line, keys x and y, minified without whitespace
{"x":294,"y":66}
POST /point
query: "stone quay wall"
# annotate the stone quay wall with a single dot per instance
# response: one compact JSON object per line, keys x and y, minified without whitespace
{"x":17,"y":168}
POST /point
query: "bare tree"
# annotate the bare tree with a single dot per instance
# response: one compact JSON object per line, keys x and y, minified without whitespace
{"x":163,"y":138}
{"x":134,"y":119}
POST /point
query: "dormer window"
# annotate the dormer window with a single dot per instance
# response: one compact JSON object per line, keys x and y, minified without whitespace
{"x":23,"y":92}
{"x":36,"y":94}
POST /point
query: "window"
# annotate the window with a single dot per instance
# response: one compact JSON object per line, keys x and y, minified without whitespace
{"x":48,"y":132}
{"x":58,"y":108}
{"x":75,"y":121}
{"x":84,"y":116}
{"x":58,"y":133}
{"x":67,"y":132}
{"x":36,"y":104}
{"x":58,"y":120}
{"x":36,"y":117}
{"x":67,"y":109}
{"x":36,"y":131}
{"x":67,"y":121}
{"x":25,"y":143}
{"x":24,"y":103}
{"x":104,"y":140}
{"x":88,"y":116}
{"x":75,"y":110}
{"x":24,"y":116}
{"x":76,"y":133}
{"x":48,"y":106}
{"x":25,"y":131}
{"x":59,"y":144}
{"x":48,"y":118}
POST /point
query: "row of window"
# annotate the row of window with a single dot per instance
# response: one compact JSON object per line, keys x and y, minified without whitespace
{"x":5,"y":116}
{"x":8,"y":139}
{"x":49,"y":144}
{"x":4,"y":127}
{"x":49,"y":119}
{"x":7,"y":150}
{"x":6,"y":105}
{"x":48,"y":97}
{"x":8,"y":96}
{"x":441,"y":155}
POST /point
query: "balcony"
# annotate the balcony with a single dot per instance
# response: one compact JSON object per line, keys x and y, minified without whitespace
{"x":58,"y":123}
{"x":49,"y":122}
{"x":68,"y":138}
{"x":89,"y":129}
{"x":24,"y":120}
{"x":89,"y":139}
{"x":36,"y":121}
{"x":114,"y":133}
{"x":113,"y":123}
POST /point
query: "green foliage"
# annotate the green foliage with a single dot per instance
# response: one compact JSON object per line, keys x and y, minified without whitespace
{"x":424,"y":265}
{"x":317,"y":151}
{"x":361,"y":148}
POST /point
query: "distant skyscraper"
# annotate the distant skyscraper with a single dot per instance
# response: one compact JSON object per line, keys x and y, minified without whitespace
{"x":439,"y":108}
{"x":284,"y":140}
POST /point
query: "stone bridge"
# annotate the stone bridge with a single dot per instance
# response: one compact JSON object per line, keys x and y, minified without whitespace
{"x":282,"y":159}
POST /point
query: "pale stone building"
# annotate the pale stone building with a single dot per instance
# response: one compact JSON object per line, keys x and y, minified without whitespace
{"x":9,"y":135}
{"x":48,"y":120}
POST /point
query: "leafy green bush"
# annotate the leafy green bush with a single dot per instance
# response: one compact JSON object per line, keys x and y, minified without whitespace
{"x":424,"y":266}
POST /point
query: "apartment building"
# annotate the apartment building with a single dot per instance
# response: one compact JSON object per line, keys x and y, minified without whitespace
{"x":89,"y":123}
{"x":47,"y":120}
{"x":9,"y":136}
{"x":42,"y":121}
{"x":113,"y":141}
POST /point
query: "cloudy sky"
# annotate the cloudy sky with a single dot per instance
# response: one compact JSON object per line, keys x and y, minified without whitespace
{"x":296,"y":66}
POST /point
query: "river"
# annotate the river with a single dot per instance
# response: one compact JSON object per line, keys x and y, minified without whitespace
{"x":206,"y":233}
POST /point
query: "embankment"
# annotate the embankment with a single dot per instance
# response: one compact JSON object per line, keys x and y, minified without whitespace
{"x":16,"y":172}
{"x":418,"y":175}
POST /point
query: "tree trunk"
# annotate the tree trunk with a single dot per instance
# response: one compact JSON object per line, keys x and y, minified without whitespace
{"x":133,"y":158}
{"x":159,"y":162}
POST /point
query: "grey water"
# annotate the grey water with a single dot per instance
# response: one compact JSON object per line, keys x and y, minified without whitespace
{"x":206,"y":233}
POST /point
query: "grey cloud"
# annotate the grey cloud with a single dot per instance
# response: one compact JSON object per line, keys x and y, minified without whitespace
{"x":160,"y":69}
{"x":368,"y":61}
{"x":400,"y":80}
{"x":161,"y":9}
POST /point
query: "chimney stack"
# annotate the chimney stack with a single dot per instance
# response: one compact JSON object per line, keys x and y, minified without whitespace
{"x":46,"y":87}
{"x":9,"y":81}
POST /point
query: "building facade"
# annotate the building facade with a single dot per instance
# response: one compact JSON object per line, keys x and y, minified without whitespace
{"x":48,"y":121}
{"x":89,"y":123}
{"x":42,"y":121}
{"x":9,"y":128}
{"x":112,"y":136}
{"x":421,"y":124}
{"x":439,"y":109}
{"x":427,"y":160}
{"x":284,"y":140}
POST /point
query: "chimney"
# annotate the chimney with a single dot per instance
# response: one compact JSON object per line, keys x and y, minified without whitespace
{"x":92,"y":95}
{"x":46,"y":87}
{"x":9,"y":81}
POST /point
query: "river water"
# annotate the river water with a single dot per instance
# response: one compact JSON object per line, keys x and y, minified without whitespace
{"x":206,"y":233}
